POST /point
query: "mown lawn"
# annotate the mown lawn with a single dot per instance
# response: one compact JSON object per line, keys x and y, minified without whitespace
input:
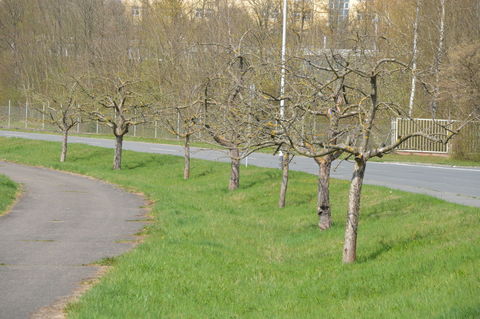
{"x":212,"y":253}
{"x":8,"y":193}
{"x":393,"y":157}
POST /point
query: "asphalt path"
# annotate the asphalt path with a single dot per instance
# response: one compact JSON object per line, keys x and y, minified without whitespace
{"x":62,"y":223}
{"x":455,"y":184}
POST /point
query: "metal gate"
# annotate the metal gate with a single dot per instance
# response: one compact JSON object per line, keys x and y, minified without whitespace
{"x":403,"y":127}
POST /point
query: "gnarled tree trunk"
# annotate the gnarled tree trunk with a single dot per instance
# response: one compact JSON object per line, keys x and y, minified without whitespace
{"x":117,"y":159}
{"x":323,"y":194}
{"x":235,"y":169}
{"x":283,"y":187}
{"x":63,"y":155}
{"x":350,"y":244}
{"x":186,"y":168}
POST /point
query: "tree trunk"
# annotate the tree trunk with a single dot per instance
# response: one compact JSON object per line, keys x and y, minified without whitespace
{"x":63,"y":155}
{"x":414,"y":60}
{"x":117,"y":159}
{"x":284,"y":185}
{"x":438,"y":60}
{"x":323,"y":197}
{"x":235,"y":170}
{"x":186,"y":168}
{"x":350,"y":245}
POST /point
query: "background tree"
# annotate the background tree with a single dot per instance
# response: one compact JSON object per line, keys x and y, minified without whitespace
{"x":183,"y":119}
{"x":62,"y":109}
{"x":460,"y":86}
{"x":319,"y":93}
{"x":233,"y":119}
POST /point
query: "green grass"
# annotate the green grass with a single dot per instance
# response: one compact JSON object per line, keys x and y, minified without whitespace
{"x":8,"y":193}
{"x":436,"y":160}
{"x":426,"y":159}
{"x":216,"y":254}
{"x":128,"y":137}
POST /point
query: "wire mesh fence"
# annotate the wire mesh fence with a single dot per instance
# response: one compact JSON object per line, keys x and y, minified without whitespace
{"x":33,"y":117}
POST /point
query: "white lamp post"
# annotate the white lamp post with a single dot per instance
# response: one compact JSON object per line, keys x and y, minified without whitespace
{"x":283,"y":62}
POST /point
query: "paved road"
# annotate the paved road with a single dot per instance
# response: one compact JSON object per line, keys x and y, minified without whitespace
{"x":454,"y":184}
{"x":62,"y":223}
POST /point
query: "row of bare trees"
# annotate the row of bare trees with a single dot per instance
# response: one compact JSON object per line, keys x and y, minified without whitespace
{"x":217,"y":77}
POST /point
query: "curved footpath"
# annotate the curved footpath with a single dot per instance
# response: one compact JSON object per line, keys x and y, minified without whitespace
{"x":62,"y":223}
{"x":455,"y":184}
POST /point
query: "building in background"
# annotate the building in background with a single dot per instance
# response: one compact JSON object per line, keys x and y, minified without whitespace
{"x":333,"y":12}
{"x":340,"y":11}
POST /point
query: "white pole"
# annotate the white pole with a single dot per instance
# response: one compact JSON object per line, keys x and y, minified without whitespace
{"x":9,"y":112}
{"x":26,"y":114}
{"x":78,"y":120}
{"x":155,"y":129}
{"x":43,"y":116}
{"x":96,"y":128}
{"x":135,"y":126}
{"x":283,"y":71}
{"x":178,"y":124}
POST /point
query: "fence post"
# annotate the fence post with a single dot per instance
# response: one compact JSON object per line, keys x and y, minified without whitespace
{"x":155,"y":134}
{"x":178,"y":124}
{"x":43,"y":116}
{"x":26,"y":114}
{"x":303,"y":125}
{"x":393,"y":131}
{"x":96,"y":127}
{"x":79,"y":119}
{"x":135,"y":126}
{"x":9,"y":112}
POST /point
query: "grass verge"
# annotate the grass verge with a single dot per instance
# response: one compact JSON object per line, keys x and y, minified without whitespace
{"x":436,"y":160}
{"x":9,"y":191}
{"x":216,"y":254}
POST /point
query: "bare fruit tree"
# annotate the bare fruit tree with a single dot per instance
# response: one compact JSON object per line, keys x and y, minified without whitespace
{"x":364,"y":85}
{"x":233,"y":115}
{"x":318,"y":93}
{"x":183,"y":121}
{"x":118,"y":104}
{"x":62,"y":109}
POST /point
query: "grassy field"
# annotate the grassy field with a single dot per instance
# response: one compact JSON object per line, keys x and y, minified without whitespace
{"x":436,"y":160}
{"x":8,"y":193}
{"x":211,"y":253}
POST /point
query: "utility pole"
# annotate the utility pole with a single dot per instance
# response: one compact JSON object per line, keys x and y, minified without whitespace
{"x":284,"y":158}
{"x":283,"y":62}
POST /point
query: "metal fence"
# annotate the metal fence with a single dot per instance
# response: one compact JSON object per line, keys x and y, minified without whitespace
{"x":403,"y":127}
{"x":469,"y":137}
{"x":27,"y":116}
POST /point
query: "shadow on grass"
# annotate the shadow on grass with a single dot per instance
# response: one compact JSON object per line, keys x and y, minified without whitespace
{"x":203,"y":173}
{"x":386,"y":246}
{"x":152,"y":161}
{"x":462,"y":312}
{"x":77,"y":156}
